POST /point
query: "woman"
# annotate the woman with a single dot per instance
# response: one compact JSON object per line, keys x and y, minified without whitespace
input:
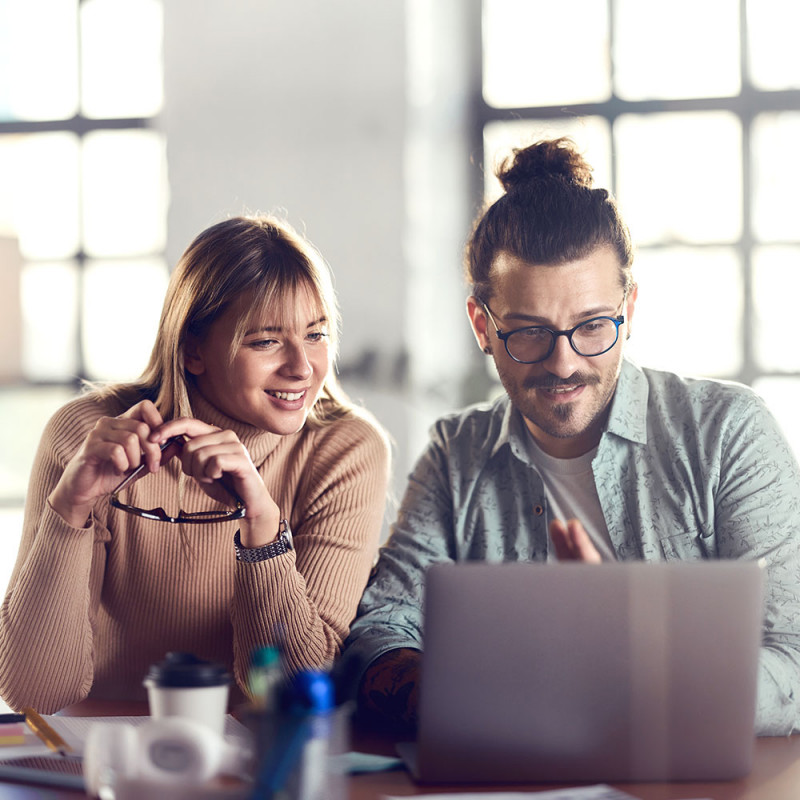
{"x":238,"y":406}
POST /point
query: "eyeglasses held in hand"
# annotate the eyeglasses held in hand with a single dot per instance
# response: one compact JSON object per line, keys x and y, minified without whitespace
{"x":158,"y":514}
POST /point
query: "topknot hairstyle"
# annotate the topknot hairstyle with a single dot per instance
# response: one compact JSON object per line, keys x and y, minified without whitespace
{"x":556,"y":159}
{"x":550,"y":214}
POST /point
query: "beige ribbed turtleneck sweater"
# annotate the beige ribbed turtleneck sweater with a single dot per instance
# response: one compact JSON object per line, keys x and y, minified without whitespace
{"x":88,"y":610}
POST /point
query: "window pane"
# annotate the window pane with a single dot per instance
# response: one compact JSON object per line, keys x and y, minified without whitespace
{"x":672,"y":186}
{"x":117,"y":347}
{"x":591,"y":134}
{"x":541,"y":53}
{"x":11,"y":316}
{"x":782,"y":395}
{"x":671,"y":329}
{"x":10,"y":534}
{"x":121,"y":58}
{"x":39,"y":193}
{"x":776,"y":287}
{"x":39,"y":47}
{"x":776,"y":210}
{"x":683,"y":48}
{"x":772,"y":27}
{"x":124,"y":192}
{"x":35,"y":405}
{"x":50,"y":321}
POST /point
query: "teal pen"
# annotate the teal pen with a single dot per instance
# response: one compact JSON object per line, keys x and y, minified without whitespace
{"x":265,"y":677}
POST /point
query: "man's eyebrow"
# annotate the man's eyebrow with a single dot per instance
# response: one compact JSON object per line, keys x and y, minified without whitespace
{"x":278,"y":328}
{"x":532,"y":319}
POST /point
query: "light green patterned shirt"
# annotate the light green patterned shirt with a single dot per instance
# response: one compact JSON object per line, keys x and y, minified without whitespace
{"x":686,"y":469}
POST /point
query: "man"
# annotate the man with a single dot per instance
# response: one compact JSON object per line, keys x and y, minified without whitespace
{"x":641,"y":464}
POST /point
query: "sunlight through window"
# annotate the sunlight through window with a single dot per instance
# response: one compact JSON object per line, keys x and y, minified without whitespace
{"x":679,"y":49}
{"x":115,"y":352}
{"x":39,"y":47}
{"x":542,"y":53}
{"x":121,"y":53}
{"x":124,"y":185}
{"x":673,"y":188}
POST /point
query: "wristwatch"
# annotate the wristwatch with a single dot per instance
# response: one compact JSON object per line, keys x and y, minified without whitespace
{"x":277,"y":548}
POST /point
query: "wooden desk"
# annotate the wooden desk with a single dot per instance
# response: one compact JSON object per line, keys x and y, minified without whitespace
{"x":775,"y":774}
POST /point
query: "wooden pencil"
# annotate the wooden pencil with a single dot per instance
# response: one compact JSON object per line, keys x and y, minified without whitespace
{"x":46,"y":733}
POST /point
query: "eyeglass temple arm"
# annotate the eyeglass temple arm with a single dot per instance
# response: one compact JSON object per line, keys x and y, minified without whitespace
{"x":226,"y":485}
{"x":133,"y":476}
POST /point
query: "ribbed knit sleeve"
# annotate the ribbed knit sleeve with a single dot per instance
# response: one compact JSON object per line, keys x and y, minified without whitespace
{"x":308,"y":597}
{"x":46,"y":648}
{"x":88,"y":610}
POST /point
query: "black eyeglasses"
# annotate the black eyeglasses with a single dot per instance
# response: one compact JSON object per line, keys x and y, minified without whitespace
{"x":158,"y":514}
{"x":536,"y":343}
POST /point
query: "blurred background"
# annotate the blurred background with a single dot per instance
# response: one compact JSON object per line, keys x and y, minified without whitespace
{"x":127,"y":126}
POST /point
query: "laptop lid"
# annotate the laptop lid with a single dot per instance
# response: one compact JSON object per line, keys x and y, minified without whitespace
{"x":573,"y":672}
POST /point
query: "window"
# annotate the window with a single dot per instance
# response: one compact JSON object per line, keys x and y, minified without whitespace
{"x":82,"y":210}
{"x":691,"y":127}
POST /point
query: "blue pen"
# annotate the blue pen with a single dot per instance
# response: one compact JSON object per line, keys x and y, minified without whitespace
{"x":293,"y":759}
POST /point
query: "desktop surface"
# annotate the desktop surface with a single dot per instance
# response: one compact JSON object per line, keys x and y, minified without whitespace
{"x":775,"y":774}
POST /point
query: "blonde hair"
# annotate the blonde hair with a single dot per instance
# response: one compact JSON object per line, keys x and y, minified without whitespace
{"x":258,"y":254}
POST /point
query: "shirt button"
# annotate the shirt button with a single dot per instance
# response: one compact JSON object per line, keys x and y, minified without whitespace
{"x":538,"y":510}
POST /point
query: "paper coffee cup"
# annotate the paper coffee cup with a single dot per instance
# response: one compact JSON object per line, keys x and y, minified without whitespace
{"x":183,"y":685}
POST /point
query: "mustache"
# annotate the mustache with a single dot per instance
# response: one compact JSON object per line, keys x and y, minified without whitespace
{"x":554,"y":382}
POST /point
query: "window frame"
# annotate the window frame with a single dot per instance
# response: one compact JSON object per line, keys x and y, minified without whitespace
{"x":747,"y":106}
{"x":80,"y":126}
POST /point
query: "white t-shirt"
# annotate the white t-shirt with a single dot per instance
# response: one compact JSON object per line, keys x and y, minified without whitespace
{"x":570,"y":491}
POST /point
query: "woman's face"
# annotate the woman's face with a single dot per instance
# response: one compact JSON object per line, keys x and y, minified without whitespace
{"x":276,"y":373}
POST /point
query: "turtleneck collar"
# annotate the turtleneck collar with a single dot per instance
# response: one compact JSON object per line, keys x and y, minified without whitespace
{"x":259,"y":443}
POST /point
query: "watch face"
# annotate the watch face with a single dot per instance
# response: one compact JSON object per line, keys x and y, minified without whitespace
{"x":286,"y":534}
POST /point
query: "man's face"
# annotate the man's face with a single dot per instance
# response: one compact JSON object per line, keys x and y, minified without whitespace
{"x":565,"y":398}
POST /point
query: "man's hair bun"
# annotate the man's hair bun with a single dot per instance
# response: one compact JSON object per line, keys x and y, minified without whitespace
{"x":556,"y":159}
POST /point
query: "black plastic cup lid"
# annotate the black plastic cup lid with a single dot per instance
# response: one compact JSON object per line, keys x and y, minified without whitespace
{"x":186,"y":670}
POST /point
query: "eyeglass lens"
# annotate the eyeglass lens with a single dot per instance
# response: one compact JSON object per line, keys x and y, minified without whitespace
{"x":591,"y":338}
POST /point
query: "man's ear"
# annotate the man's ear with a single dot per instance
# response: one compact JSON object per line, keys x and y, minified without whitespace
{"x":479,"y":322}
{"x":192,"y":356}
{"x":630,"y":306}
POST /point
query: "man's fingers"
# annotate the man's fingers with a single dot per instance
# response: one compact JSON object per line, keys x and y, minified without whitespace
{"x":572,"y":543}
{"x":581,"y":545}
{"x":559,"y":535}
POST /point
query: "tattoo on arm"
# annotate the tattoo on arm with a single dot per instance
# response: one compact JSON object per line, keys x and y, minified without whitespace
{"x":390,"y":688}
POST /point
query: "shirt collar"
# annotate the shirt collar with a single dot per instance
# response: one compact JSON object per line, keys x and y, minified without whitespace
{"x":628,"y":415}
{"x":513,"y":432}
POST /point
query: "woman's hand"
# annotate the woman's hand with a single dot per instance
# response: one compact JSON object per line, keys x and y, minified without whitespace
{"x":216,"y":459}
{"x":114,"y":447}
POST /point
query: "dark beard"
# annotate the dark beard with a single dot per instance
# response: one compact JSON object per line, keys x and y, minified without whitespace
{"x":563,"y":412}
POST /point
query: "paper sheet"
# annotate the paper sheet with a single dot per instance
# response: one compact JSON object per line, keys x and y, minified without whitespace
{"x":75,"y":730}
{"x":600,"y":791}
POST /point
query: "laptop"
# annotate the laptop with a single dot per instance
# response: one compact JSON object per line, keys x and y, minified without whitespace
{"x":628,"y":671}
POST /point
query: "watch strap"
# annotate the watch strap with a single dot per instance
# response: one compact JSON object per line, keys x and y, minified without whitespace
{"x":252,"y":555}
